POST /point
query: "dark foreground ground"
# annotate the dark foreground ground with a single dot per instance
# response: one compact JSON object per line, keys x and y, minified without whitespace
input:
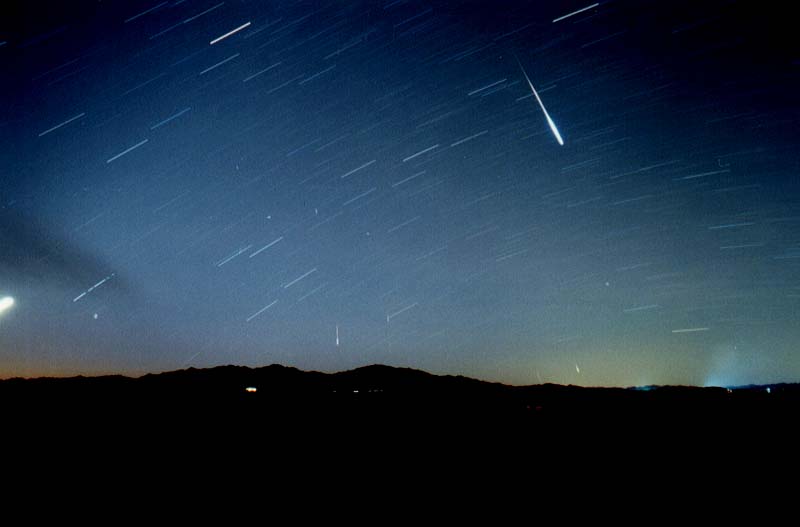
{"x":375,"y":428}
{"x":376,"y":396}
{"x":382,"y":421}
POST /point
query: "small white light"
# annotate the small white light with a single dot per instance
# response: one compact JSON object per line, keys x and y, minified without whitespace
{"x":250,"y":389}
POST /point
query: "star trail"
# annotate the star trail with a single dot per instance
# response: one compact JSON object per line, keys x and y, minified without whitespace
{"x":333,"y":184}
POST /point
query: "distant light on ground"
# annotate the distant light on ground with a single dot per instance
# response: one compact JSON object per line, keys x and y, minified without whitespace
{"x":6,"y":303}
{"x":251,"y":389}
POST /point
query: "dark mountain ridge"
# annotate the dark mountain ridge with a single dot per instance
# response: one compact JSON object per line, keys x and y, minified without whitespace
{"x":379,"y":386}
{"x":383,"y":410}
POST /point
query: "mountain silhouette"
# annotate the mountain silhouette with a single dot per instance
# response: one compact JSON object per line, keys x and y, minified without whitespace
{"x":380,"y":392}
{"x":367,"y":416}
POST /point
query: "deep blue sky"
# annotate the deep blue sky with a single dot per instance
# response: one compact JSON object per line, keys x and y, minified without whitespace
{"x":383,"y":168}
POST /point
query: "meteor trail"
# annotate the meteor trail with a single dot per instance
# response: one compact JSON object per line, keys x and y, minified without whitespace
{"x":7,"y":302}
{"x":689,"y":330}
{"x":546,"y":115}
{"x":559,"y":19}
{"x":229,"y":33}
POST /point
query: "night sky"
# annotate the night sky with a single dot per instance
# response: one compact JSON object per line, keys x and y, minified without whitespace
{"x":332,"y":184}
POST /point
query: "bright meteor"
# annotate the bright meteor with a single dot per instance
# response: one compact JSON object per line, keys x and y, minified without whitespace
{"x":546,"y":115}
{"x":6,"y":303}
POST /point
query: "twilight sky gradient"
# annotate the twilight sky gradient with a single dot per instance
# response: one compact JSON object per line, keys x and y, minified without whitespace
{"x":340,"y":183}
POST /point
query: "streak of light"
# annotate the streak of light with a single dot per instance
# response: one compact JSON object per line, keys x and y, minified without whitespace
{"x":131,"y":19}
{"x":56,"y":127}
{"x":541,"y":105}
{"x":254,"y":75}
{"x":640,"y":308}
{"x":559,"y":19}
{"x":473,"y":92}
{"x":254,"y":315}
{"x":218,"y":64}
{"x":390,"y":317}
{"x":290,"y":284}
{"x":470,"y":138}
{"x":267,"y":246}
{"x":409,"y":178}
{"x":198,"y":15}
{"x":6,"y":303}
{"x":134,"y":147}
{"x":234,"y":255}
{"x":95,"y":286}
{"x":412,"y":156}
{"x":363,"y":194}
{"x":229,"y":33}
{"x":170,"y":118}
{"x":365,"y":165}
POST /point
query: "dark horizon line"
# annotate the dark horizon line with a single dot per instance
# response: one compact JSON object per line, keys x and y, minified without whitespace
{"x":386,"y":366}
